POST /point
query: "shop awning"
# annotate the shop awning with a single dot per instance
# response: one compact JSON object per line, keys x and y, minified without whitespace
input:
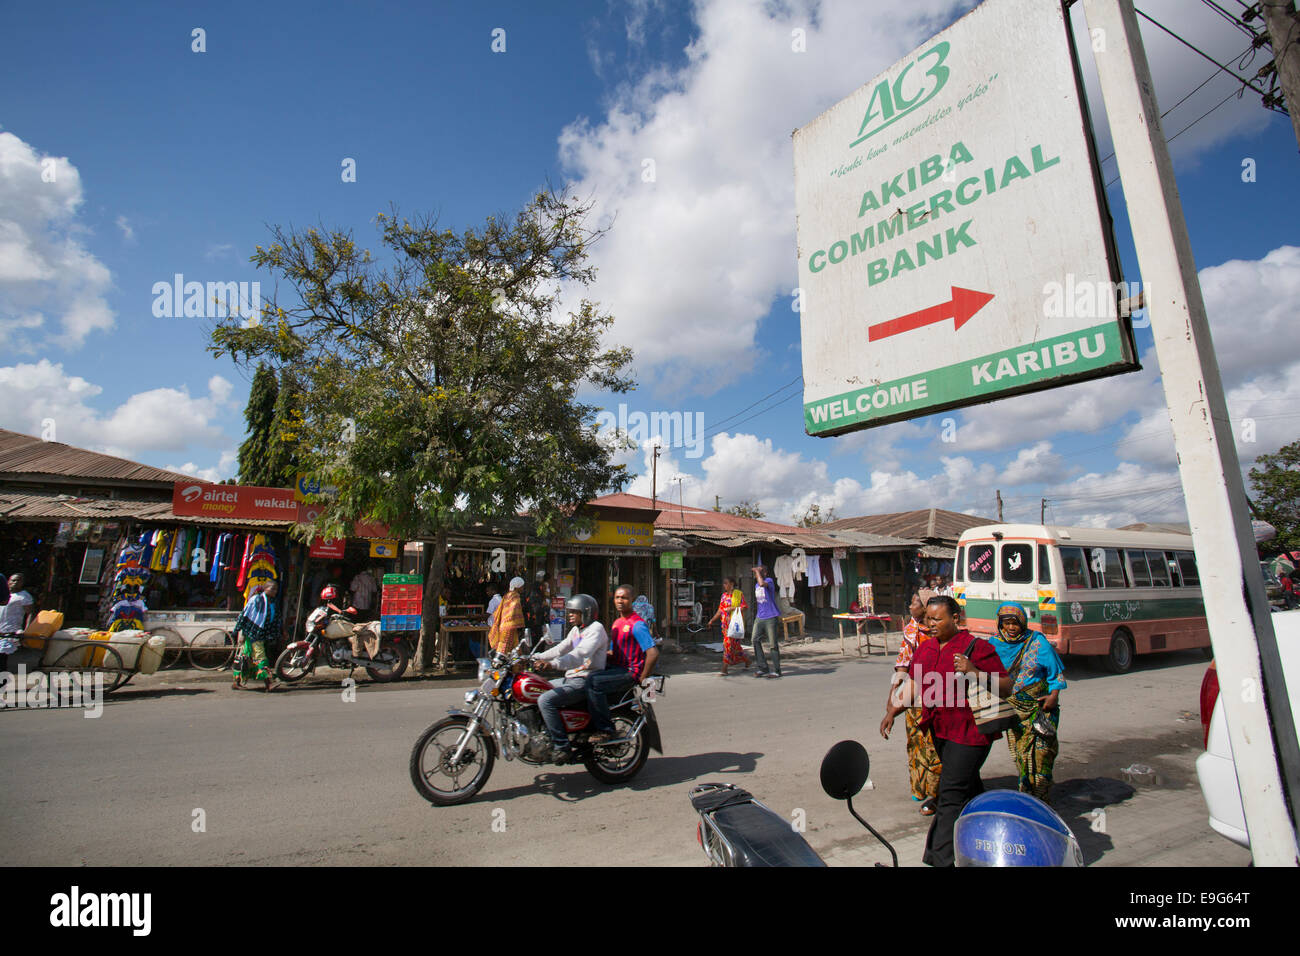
{"x":38,"y":507}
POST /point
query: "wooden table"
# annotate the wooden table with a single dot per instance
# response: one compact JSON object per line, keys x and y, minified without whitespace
{"x":864,"y":636}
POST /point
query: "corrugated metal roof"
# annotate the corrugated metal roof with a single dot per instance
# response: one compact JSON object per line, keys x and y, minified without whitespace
{"x":25,"y":455}
{"x":32,"y":507}
{"x":926,"y":523}
{"x":865,"y":541}
{"x":675,"y":517}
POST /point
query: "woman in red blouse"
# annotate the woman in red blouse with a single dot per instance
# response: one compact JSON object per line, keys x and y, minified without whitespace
{"x":961,"y":747}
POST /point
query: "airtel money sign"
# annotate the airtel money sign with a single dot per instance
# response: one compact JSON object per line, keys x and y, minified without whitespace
{"x":197,"y":499}
{"x":941,"y":209}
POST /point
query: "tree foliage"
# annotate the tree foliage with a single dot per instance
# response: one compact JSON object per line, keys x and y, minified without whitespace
{"x":259,"y":416}
{"x":813,"y":516}
{"x":1276,"y":481}
{"x":440,"y":386}
{"x":746,"y":509}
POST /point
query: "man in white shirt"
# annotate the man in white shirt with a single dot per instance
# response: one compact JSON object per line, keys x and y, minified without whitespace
{"x":14,"y":615}
{"x":494,"y":600}
{"x":580,"y":655}
{"x":363,"y":594}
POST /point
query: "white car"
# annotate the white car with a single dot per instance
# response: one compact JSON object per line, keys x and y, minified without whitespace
{"x":1214,"y":768}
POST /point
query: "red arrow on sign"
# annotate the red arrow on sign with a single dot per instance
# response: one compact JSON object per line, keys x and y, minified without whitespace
{"x":963,"y":305}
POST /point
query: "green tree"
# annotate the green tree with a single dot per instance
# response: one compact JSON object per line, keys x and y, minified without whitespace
{"x":259,"y":415}
{"x":746,"y":509}
{"x":282,"y":459}
{"x":813,"y":516}
{"x":441,"y":386}
{"x":1276,"y":481}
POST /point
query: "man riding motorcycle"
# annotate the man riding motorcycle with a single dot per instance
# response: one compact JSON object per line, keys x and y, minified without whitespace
{"x":582,"y":652}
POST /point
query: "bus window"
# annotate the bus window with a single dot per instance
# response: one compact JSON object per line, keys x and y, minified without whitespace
{"x":1044,"y":569}
{"x":1107,"y":569}
{"x":1018,"y":563}
{"x":1159,"y":570}
{"x":1076,"y":568}
{"x":1175,"y":575}
{"x":1137,"y":565}
{"x":979,"y":563}
{"x":1187,"y":564}
{"x":959,"y":568}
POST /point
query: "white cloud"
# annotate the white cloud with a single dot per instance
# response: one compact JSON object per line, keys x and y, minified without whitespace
{"x":1033,"y":466}
{"x":51,"y":287}
{"x":218,"y":250}
{"x":160,"y":419}
{"x":226,"y":467}
{"x":124,"y":224}
{"x":699,"y":253}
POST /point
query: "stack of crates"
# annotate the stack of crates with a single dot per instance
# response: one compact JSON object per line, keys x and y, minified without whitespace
{"x":399,"y":608}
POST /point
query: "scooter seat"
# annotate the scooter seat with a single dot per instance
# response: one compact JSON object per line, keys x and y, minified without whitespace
{"x":756,"y":835}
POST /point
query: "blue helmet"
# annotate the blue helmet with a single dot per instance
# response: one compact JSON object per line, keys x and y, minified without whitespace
{"x":1007,"y":828}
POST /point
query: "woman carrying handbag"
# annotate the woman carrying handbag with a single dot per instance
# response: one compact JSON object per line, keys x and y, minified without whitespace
{"x":730,"y":613}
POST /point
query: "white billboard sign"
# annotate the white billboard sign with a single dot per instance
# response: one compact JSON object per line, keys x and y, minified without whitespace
{"x":953,"y":240}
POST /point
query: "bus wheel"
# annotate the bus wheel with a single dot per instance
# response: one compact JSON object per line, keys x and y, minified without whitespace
{"x":1120,"y":657}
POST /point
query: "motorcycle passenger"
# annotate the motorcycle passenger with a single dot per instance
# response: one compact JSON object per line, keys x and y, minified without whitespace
{"x":583,"y":653}
{"x":632,"y":657}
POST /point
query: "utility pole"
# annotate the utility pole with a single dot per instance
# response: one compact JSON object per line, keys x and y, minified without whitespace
{"x":717,"y":502}
{"x":654,"y":480}
{"x":999,"y":506}
{"x":1283,"y":25}
{"x":1042,"y":511}
{"x":1261,"y":729}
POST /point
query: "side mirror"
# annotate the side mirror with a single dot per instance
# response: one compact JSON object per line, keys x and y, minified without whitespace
{"x":844,"y":769}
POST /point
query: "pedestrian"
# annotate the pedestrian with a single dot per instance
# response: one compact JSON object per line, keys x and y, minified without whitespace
{"x":1038,"y":679}
{"x":508,"y":619}
{"x":363,"y":590}
{"x":962,"y":749}
{"x":923,"y":766}
{"x":494,"y":599}
{"x":765,"y":623}
{"x":257,"y":626}
{"x":731,"y":603}
{"x":1288,"y":581}
{"x":14,"y":616}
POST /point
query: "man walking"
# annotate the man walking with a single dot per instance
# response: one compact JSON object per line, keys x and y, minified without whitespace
{"x":765,"y":624}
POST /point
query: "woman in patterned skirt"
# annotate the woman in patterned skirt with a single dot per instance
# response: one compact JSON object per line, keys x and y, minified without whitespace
{"x":733,"y":648}
{"x":923,"y":764}
{"x":256,"y":625}
{"x":1039,"y":679}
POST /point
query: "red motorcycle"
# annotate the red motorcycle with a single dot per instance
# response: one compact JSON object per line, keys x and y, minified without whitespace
{"x":451,"y":761}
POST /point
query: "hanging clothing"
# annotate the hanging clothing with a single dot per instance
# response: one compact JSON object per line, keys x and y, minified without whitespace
{"x":814,"y":572}
{"x":783,"y":571}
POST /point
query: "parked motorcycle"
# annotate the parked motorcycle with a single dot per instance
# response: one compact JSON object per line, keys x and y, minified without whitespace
{"x":332,"y":645}
{"x":452,"y":760}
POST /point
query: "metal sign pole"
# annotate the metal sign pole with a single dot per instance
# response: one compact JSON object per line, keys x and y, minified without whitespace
{"x":1254,"y":692}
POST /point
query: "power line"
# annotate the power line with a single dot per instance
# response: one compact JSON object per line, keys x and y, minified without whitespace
{"x":1236,"y":93}
{"x":1192,"y":46}
{"x":798,"y":378}
{"x":1235,"y":21}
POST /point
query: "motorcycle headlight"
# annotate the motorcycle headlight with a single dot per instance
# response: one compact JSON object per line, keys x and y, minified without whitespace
{"x":484,"y":667}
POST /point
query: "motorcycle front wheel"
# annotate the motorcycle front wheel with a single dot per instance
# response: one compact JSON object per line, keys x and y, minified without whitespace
{"x":621,"y":763}
{"x":436,"y":777}
{"x":292,"y":665}
{"x":392,"y":662}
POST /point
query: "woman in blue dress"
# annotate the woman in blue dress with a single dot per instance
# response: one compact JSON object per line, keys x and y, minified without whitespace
{"x":1039,"y":678}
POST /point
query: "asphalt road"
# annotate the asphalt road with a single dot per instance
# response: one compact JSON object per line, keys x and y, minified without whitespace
{"x":189,"y":772}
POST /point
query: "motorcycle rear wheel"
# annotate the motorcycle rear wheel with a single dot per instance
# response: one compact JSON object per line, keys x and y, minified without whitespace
{"x":396,"y":668}
{"x":432,"y":773}
{"x":292,"y":665}
{"x":619,"y":764}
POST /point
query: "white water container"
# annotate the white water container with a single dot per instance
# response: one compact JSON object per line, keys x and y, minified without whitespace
{"x":63,"y":641}
{"x":128,"y":645}
{"x":151,"y":654}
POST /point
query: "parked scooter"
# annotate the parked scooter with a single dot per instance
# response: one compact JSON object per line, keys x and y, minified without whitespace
{"x":997,"y":828}
{"x":737,"y":830}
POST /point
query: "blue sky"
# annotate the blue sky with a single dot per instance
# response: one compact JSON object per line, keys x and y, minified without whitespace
{"x":168,"y":160}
